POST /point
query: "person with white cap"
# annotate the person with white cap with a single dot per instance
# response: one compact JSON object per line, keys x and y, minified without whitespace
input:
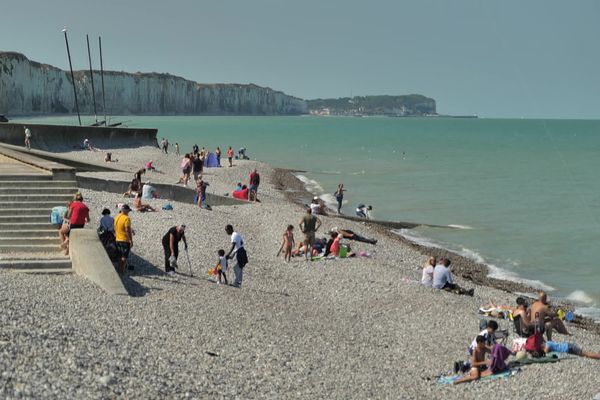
{"x":170,"y":242}
{"x":123,"y":236}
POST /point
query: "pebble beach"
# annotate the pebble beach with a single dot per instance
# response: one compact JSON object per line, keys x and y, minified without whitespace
{"x":346,"y":328}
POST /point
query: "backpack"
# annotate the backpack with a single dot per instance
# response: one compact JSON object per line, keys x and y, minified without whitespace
{"x":57,"y":215}
{"x":534,"y":343}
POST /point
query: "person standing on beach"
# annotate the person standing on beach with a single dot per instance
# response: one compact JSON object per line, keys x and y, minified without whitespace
{"x":197,"y":167}
{"x":201,"y":191}
{"x":230,"y":156}
{"x":254,"y":182}
{"x":162,"y":144}
{"x":166,"y":148}
{"x":238,"y":254}
{"x":218,"y":154}
{"x":176,"y":148}
{"x":123,"y":236}
{"x":309,"y":225}
{"x":170,"y":244}
{"x":339,"y":196}
{"x":27,"y":138}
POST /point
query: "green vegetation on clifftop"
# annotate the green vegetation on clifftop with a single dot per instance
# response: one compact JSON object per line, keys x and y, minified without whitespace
{"x":407,"y":105}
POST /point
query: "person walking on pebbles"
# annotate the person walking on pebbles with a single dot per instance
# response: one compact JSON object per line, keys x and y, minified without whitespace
{"x":238,"y":254}
{"x":170,"y":244}
{"x":124,"y":236}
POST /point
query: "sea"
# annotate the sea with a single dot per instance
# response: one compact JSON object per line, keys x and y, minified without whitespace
{"x":520,"y":195}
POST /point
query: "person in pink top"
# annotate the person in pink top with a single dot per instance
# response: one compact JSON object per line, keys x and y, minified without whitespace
{"x":149,"y":166}
{"x":230,"y":156}
{"x":335,"y":246}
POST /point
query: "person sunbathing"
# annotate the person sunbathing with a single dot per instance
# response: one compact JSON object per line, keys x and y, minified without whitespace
{"x":348,"y":234}
{"x":569,"y":348}
{"x":139,"y":206}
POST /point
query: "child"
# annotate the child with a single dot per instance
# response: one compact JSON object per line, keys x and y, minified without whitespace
{"x":478,"y":363}
{"x":489,"y":334}
{"x":222,"y":267}
{"x":288,"y":243}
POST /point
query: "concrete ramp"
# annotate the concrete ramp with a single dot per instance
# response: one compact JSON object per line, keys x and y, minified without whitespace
{"x":89,"y":259}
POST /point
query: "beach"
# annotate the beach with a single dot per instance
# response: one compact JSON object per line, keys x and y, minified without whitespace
{"x":348,"y":328}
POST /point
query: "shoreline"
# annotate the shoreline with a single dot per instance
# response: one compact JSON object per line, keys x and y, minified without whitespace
{"x":466,"y":268}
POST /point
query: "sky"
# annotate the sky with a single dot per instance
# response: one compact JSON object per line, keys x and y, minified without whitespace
{"x":507,"y":59}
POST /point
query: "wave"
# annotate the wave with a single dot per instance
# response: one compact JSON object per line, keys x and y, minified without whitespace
{"x":591,"y":312}
{"x":310,"y":184}
{"x":457,"y":226}
{"x":579,"y":296}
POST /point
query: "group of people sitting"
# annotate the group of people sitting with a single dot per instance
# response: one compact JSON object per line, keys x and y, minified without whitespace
{"x":248,"y":192}
{"x":139,"y":191}
{"x":487,"y":357}
{"x":436,"y":274}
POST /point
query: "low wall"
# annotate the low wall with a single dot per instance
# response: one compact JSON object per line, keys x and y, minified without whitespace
{"x":68,"y":137}
{"x":89,"y":259}
{"x":166,"y":192}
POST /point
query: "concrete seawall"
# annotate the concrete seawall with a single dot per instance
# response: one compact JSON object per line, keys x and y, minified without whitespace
{"x":66,"y":137}
{"x":166,"y":192}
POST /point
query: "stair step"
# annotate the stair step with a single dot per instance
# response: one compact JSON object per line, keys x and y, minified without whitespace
{"x":27,"y":226}
{"x":28,"y":183}
{"x":49,"y":271}
{"x":33,"y":203}
{"x":42,"y":190}
{"x":21,"y":256}
{"x":30,"y":211}
{"x":32,"y":248}
{"x":25,"y":198}
{"x":27,"y":177}
{"x":16,"y":219}
{"x":33,"y":233}
{"x":30,"y":240}
{"x":36,"y":264}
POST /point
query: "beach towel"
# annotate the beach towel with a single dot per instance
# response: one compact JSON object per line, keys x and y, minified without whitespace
{"x":450,"y":379}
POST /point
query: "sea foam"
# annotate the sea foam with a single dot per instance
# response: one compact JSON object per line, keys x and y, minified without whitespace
{"x":579,"y":296}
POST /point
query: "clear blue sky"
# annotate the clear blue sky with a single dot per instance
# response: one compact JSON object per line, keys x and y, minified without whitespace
{"x":495,"y":59}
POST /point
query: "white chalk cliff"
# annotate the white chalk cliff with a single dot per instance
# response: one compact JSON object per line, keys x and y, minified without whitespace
{"x":28,"y":88}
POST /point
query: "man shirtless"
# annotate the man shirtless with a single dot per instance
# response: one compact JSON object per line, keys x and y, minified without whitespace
{"x":541,"y":313}
{"x":479,"y":365}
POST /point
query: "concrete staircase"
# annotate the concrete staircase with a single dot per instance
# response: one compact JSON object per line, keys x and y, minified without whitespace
{"x":28,"y":242}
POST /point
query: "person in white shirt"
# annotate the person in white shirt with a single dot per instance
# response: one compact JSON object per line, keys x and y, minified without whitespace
{"x":238,"y":254}
{"x":149,"y":191}
{"x":442,"y":279}
{"x":427,"y":278}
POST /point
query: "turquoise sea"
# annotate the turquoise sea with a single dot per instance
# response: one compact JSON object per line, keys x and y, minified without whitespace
{"x":523,"y":195}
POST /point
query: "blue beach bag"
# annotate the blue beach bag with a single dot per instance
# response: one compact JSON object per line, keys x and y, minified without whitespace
{"x":57,"y":215}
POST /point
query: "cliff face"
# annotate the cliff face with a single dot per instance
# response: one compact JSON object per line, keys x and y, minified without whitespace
{"x":28,"y":87}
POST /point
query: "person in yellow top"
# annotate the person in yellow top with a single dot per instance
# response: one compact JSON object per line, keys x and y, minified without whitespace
{"x":123,"y":236}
